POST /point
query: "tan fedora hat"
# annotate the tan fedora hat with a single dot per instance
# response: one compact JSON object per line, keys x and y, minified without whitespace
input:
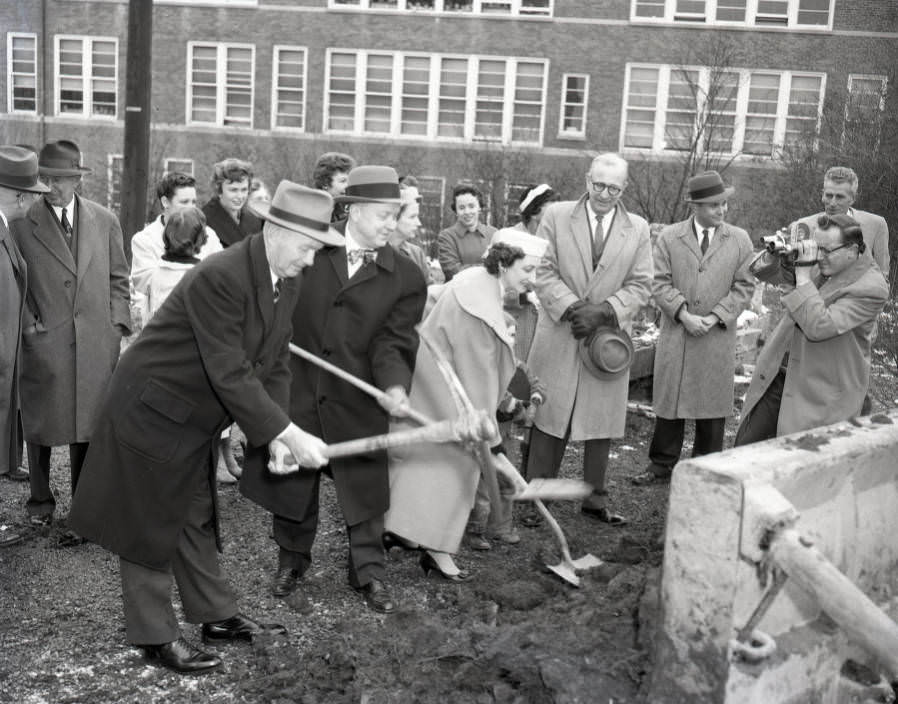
{"x":301,"y":209}
{"x":372,"y":184}
{"x":62,"y":158}
{"x":18,"y":170}
{"x":707,"y":187}
{"x":607,"y":353}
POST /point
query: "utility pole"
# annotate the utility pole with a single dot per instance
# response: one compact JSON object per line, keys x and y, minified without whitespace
{"x":138,"y":87}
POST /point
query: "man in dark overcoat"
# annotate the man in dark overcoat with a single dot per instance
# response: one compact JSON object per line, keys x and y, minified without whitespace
{"x":214,"y":353}
{"x":76,"y":312}
{"x":358,"y":309}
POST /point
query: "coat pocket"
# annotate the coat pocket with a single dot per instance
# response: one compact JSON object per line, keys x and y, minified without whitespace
{"x":153,"y":425}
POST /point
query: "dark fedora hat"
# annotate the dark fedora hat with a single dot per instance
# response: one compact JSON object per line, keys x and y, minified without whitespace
{"x":62,"y":158}
{"x":303,"y":210}
{"x":18,"y":170}
{"x":707,"y":187}
{"x":372,"y":184}
{"x":607,"y":353}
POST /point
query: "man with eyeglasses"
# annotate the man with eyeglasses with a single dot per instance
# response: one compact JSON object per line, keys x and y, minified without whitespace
{"x":596,"y":274}
{"x":815,"y":367}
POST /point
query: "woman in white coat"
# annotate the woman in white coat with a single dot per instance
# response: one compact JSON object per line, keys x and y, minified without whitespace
{"x":432,"y":486}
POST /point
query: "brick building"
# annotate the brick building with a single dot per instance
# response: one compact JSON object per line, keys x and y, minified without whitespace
{"x":501,"y":91}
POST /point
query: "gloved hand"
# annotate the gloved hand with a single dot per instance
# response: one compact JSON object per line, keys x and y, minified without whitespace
{"x":587,"y":318}
{"x":537,"y":391}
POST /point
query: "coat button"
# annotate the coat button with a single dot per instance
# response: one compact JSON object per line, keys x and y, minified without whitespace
{"x":67,"y":283}
{"x":701,"y":268}
{"x":325,"y":352}
{"x":338,"y":304}
{"x":321,"y":399}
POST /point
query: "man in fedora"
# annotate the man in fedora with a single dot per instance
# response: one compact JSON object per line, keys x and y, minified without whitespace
{"x":597,"y":273}
{"x":76,"y":313}
{"x":19,"y":187}
{"x":214,"y":353}
{"x":702,"y":284}
{"x":358,"y":309}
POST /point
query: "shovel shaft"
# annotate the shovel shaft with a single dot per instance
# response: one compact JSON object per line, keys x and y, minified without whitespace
{"x":443,"y":431}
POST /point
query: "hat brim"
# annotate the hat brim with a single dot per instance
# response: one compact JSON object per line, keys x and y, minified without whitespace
{"x":591,"y":366}
{"x":50,"y":171}
{"x":36,"y":188}
{"x":727,"y":192}
{"x":362,"y":199}
{"x":329,"y":236}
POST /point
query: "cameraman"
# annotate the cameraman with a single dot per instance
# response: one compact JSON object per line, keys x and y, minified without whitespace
{"x":815,"y":367}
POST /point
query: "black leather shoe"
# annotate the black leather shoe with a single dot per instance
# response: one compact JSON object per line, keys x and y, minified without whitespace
{"x":605,"y":515}
{"x":181,"y":656}
{"x":377,"y":597}
{"x":239,"y":627}
{"x":285,"y":581}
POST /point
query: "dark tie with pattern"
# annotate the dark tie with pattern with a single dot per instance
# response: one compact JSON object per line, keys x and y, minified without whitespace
{"x":363,"y":255}
{"x":66,"y":227}
{"x":277,"y":289}
{"x":704,"y":244}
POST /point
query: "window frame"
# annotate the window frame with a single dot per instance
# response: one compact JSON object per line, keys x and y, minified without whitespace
{"x":167,"y":165}
{"x":434,"y":96}
{"x":220,"y":84}
{"x":883,"y":87}
{"x":661,"y":108}
{"x":10,"y":74}
{"x":275,"y":86}
{"x":87,"y":77}
{"x":580,"y":134}
{"x":110,"y":180}
{"x":516,"y":8}
{"x":751,"y":16}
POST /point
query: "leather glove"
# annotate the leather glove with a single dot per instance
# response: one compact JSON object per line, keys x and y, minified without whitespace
{"x":586,"y":319}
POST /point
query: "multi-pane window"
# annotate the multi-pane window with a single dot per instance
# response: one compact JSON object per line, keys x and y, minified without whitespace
{"x":519,"y":8}
{"x":220,"y":84}
{"x":86,"y":76}
{"x":864,"y":109}
{"x":574,"y":91}
{"x":21,"y":72}
{"x":732,"y":111}
{"x":435,"y":97}
{"x":433,"y":207}
{"x":184,"y":166}
{"x":115,"y":167}
{"x":289,"y":88}
{"x":764,"y":13}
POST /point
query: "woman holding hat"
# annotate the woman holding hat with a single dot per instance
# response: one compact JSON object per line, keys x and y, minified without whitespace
{"x":432,"y":487}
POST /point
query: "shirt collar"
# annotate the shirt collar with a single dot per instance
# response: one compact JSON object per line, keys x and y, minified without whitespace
{"x":70,"y":209}
{"x":3,"y":218}
{"x":698,"y":229}
{"x":274,"y":278}
{"x":606,"y":218}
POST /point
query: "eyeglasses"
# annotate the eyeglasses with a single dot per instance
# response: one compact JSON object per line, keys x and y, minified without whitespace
{"x":613,"y":190}
{"x":827,"y":251}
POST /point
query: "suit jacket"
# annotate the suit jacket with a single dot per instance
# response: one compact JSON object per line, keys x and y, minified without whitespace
{"x":589,"y":406}
{"x":12,"y":304}
{"x":366,"y":326}
{"x":228,"y":231}
{"x":70,"y":342}
{"x":875,"y":231}
{"x":694,"y":375}
{"x":214,"y":353}
{"x":827,"y":332}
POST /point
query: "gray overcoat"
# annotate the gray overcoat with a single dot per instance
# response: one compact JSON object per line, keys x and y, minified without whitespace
{"x":592,"y":407}
{"x":694,"y":375}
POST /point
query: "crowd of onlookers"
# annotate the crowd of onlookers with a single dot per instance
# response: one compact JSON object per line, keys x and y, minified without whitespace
{"x":534,"y":321}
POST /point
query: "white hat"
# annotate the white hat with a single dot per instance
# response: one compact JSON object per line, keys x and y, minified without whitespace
{"x":531,"y":245}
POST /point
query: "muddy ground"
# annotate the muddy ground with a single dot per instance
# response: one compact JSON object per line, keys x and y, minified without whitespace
{"x":516,"y":634}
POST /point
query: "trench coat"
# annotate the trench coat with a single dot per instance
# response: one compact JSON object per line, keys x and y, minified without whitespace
{"x":693,"y":376}
{"x":70,"y":342}
{"x":827,"y":332}
{"x":875,"y":231}
{"x":214,"y":353}
{"x":366,"y":326}
{"x":590,"y":407}
{"x":12,"y":305}
{"x":432,"y":486}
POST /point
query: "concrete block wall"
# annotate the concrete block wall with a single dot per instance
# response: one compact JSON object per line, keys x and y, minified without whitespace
{"x":843,"y":480}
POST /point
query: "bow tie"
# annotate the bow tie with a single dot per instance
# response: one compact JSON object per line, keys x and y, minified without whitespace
{"x":361,"y":255}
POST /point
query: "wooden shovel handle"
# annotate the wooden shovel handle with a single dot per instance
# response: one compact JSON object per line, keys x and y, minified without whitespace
{"x":442,"y":431}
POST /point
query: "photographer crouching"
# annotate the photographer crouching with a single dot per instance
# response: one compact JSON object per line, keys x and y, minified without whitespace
{"x":815,"y":367}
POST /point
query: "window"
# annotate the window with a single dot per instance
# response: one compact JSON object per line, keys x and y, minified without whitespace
{"x":185,"y":166}
{"x":433,"y":206}
{"x":864,"y":109}
{"x":572,"y":123}
{"x":220,"y":84}
{"x":513,"y":193}
{"x":115,"y":166}
{"x":288,"y":104}
{"x":435,"y":97}
{"x":21,"y":76}
{"x":516,"y":8}
{"x":86,"y":76}
{"x":763,"y":13}
{"x":733,"y":111}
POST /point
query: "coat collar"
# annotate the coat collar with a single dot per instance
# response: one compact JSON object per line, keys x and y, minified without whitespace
{"x":615,"y":238}
{"x":261,"y":273}
{"x":829,"y":287}
{"x":686,"y":234}
{"x":45,"y":230}
{"x":479,"y":294}
{"x":386,"y":260}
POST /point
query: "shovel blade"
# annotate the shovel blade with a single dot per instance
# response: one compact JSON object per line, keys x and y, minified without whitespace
{"x":566,"y":573}
{"x":554,"y":490}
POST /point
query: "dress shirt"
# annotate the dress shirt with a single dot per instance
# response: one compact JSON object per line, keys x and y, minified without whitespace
{"x":607,"y":220}
{"x":699,"y":232}
{"x":69,"y":212}
{"x":352,"y":244}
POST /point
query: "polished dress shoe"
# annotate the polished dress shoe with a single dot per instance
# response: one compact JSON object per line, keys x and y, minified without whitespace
{"x":239,"y":627}
{"x":604,"y":514}
{"x":181,"y":656}
{"x":429,"y":564}
{"x":286,"y":579}
{"x":377,"y":597}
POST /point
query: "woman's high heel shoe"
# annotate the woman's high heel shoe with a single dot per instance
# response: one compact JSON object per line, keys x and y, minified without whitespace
{"x":428,"y":564}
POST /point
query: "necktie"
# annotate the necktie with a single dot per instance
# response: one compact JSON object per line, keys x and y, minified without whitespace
{"x":598,"y":241}
{"x":361,"y":255}
{"x":66,"y":225}
{"x":704,"y":244}
{"x":277,"y":289}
